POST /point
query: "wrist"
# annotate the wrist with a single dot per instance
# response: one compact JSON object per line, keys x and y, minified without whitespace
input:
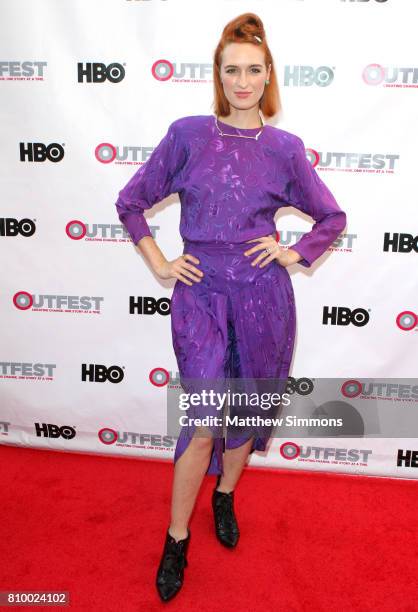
{"x":293,"y":256}
{"x":159,"y":266}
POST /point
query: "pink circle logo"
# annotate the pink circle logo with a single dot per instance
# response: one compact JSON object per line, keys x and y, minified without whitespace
{"x":289,"y":450}
{"x":373,"y":74}
{"x":407,"y":320}
{"x":312,"y":156}
{"x":352,"y":388}
{"x":23,"y":300}
{"x":105,"y":152}
{"x":162,"y":70}
{"x":159,"y":377}
{"x":76,"y":230}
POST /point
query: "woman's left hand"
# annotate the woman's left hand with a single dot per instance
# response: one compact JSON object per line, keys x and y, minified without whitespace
{"x":285,"y":257}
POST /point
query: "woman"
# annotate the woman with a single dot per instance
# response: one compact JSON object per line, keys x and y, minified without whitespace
{"x":232,"y":307}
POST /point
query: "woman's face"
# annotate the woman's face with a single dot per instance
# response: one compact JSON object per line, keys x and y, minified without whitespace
{"x":243,"y":69}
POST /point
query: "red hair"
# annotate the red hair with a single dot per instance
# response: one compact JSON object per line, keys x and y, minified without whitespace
{"x":243,"y":29}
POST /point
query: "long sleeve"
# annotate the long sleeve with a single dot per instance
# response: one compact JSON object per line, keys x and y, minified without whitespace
{"x":308,"y":193}
{"x":157,"y":178}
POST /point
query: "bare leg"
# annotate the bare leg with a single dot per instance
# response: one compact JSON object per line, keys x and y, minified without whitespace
{"x":189,"y":471}
{"x":233,"y":461}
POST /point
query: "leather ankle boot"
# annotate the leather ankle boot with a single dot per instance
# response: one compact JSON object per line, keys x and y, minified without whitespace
{"x":170,"y":572}
{"x":226,"y":526}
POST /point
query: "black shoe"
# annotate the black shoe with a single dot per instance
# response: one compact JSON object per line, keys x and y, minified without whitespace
{"x":226,"y":526}
{"x":170,"y":572}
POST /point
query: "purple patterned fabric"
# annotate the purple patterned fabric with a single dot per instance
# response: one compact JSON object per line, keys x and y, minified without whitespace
{"x":231,"y":188}
{"x":239,"y":321}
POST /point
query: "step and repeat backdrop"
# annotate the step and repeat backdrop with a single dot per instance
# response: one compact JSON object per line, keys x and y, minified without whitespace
{"x":88,"y":89}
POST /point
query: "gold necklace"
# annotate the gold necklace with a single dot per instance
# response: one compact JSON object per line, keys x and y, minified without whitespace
{"x":221,"y":133}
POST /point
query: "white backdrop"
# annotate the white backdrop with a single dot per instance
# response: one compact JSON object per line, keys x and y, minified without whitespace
{"x":77,"y":354}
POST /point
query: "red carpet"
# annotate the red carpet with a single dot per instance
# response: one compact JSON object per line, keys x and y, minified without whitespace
{"x":95,"y":526}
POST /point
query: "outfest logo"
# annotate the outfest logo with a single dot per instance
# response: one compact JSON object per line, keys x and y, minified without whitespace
{"x":324,"y":454}
{"x":27,"y":370}
{"x":109,"y":436}
{"x":383,"y":389}
{"x":390,"y":76}
{"x":356,"y":162}
{"x":343,"y":243}
{"x":187,"y":72}
{"x":96,"y":232}
{"x":106,"y":153}
{"x":80,"y":304}
{"x":22,"y":70}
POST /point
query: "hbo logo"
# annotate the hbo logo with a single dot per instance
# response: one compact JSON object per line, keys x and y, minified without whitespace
{"x":149,"y":306}
{"x":345,"y":316}
{"x":98,"y":73}
{"x":306,"y":76}
{"x":48,"y":430}
{"x":13,"y":227}
{"x":38,"y":152}
{"x":100,"y":373}
{"x":400,"y":243}
{"x":301,"y":386}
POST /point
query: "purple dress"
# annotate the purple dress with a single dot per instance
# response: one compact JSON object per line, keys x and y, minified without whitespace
{"x":239,"y":322}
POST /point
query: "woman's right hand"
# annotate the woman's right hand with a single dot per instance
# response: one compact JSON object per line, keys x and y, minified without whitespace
{"x":179,"y":268}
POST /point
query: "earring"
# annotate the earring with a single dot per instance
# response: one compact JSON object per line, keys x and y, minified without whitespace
{"x":267,"y":82}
